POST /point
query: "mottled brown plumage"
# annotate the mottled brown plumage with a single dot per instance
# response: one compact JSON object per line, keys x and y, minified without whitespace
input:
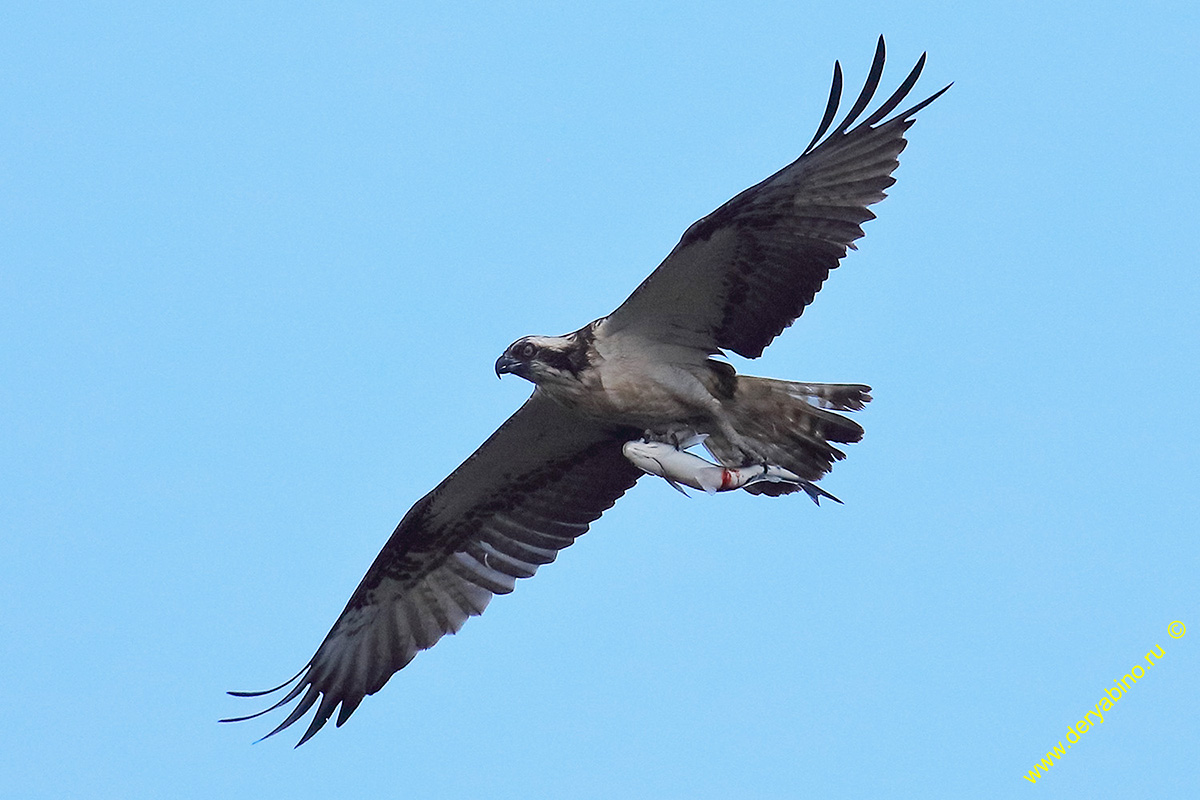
{"x":737,"y":278}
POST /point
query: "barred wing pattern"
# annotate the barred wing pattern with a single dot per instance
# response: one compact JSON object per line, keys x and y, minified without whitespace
{"x":737,"y":279}
{"x":745,"y":272}
{"x":526,"y":493}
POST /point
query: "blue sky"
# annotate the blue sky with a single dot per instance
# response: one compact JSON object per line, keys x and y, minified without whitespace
{"x":258,"y":262}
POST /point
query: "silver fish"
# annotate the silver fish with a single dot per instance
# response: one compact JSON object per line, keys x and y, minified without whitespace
{"x":678,"y":466}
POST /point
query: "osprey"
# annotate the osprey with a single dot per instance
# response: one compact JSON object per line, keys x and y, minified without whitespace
{"x":646,"y":372}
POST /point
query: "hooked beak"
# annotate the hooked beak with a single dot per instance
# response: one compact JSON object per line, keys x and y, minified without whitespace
{"x":506,"y":364}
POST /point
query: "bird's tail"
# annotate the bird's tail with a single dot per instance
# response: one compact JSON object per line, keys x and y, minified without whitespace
{"x":790,"y":425}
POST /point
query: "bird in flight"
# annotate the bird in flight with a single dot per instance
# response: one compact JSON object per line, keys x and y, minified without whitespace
{"x":625,"y":395}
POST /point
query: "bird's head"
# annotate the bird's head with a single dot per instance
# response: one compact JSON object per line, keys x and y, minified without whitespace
{"x":545,"y":359}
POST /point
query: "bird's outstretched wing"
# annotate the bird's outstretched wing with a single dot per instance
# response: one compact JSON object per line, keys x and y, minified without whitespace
{"x":525,"y":494}
{"x":745,"y":272}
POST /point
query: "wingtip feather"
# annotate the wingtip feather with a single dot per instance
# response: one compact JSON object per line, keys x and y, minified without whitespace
{"x":831,"y":106}
{"x":270,"y":691}
{"x":865,"y":96}
{"x":868,"y":90}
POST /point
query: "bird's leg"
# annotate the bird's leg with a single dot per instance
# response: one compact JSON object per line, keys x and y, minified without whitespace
{"x":746,"y":454}
{"x":681,"y":437}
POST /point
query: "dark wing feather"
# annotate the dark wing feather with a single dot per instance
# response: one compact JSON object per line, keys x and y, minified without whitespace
{"x":745,"y":272}
{"x":526,"y":493}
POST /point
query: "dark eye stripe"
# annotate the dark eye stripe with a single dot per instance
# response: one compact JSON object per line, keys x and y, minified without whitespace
{"x":559,"y":360}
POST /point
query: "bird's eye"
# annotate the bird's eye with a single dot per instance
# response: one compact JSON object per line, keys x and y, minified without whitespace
{"x":527,"y":350}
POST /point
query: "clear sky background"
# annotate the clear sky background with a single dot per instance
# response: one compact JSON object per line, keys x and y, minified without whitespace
{"x":256,"y":263}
